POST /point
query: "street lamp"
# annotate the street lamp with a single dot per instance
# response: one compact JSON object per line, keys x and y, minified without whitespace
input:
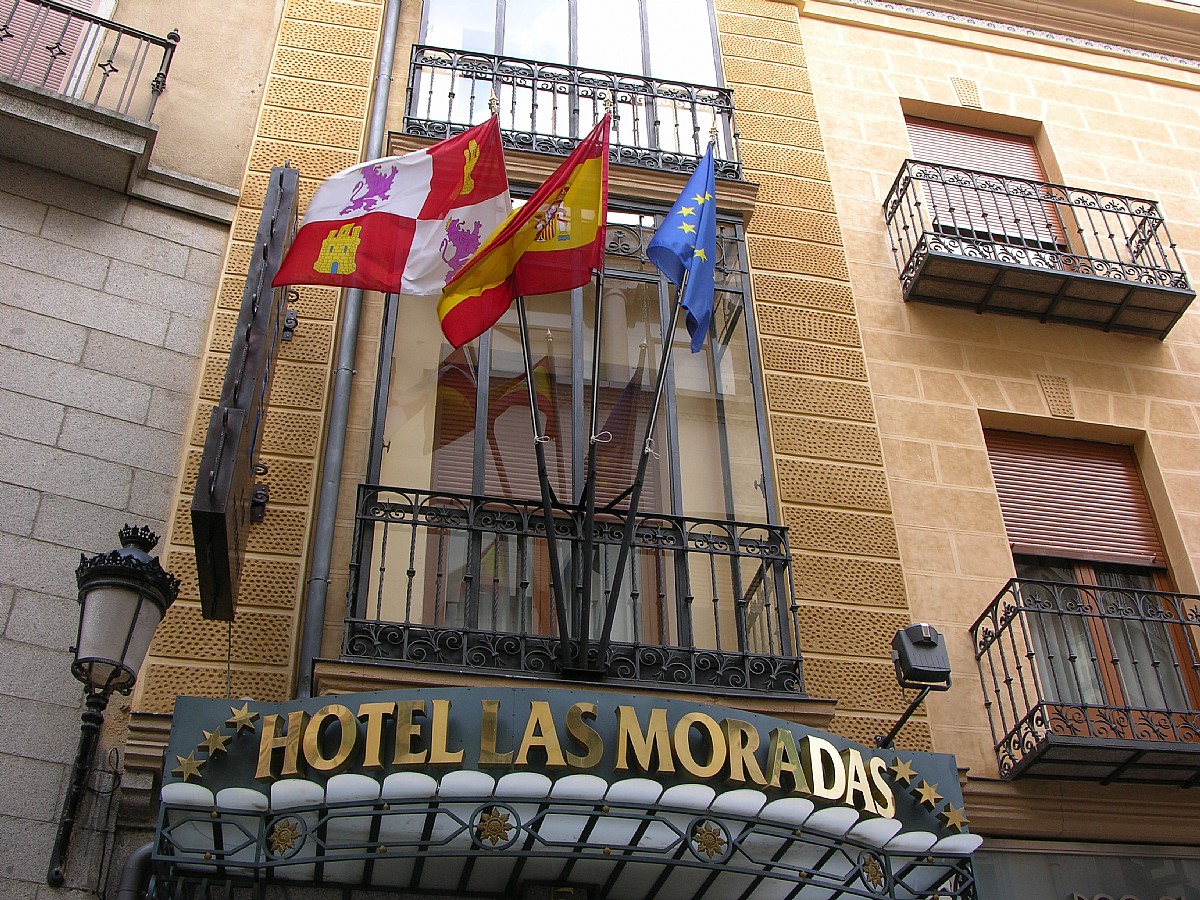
{"x":123,"y":595}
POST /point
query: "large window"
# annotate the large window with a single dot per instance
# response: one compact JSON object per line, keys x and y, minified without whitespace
{"x":1099,"y":618}
{"x":672,"y":39}
{"x":458,"y":421}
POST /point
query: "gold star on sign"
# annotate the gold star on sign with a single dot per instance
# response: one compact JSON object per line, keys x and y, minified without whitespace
{"x":214,"y":742}
{"x":188,"y":766}
{"x":927,"y":795}
{"x":687,"y":228}
{"x":903,"y":771}
{"x":241,"y":718}
{"x":954,"y":817}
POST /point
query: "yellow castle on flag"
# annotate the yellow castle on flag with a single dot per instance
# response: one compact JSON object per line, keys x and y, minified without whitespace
{"x":338,"y":251}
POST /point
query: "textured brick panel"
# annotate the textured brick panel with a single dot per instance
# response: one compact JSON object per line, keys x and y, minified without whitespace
{"x":793,"y":256}
{"x":809,"y":324}
{"x":292,"y":93}
{"x":823,"y":295}
{"x":282,"y":532}
{"x":354,"y":15}
{"x":753,"y":26}
{"x":736,"y":46}
{"x":313,"y":162}
{"x":1057,"y":391}
{"x":310,"y":128}
{"x":333,"y":39}
{"x":823,"y":439}
{"x":782,"y":221}
{"x":162,"y":684}
{"x":261,"y":638}
{"x":237,"y":261}
{"x":967,"y":90}
{"x":914,"y":736}
{"x":265,"y":581}
{"x":317,"y":302}
{"x":213,"y":378}
{"x":291,"y":480}
{"x":310,"y":64}
{"x":245,"y":222}
{"x":786,"y":191}
{"x":298,"y":386}
{"x":856,"y":683}
{"x":291,"y":432}
{"x":764,"y":73}
{"x":829,"y":484}
{"x":833,"y":531}
{"x":229,"y":296}
{"x":813,"y":359}
{"x":774,"y":101}
{"x":254,"y":189}
{"x":765,"y":157}
{"x":829,"y":399}
{"x":767,"y":9}
{"x":311,"y":342}
{"x":866,"y":582}
{"x":776,"y":128}
{"x":837,"y":630}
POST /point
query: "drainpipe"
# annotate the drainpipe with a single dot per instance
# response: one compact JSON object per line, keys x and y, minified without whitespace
{"x":339,"y":405}
{"x":135,"y":874}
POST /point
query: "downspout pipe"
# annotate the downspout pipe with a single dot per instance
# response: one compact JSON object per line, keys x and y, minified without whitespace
{"x":135,"y":874}
{"x":339,"y":405}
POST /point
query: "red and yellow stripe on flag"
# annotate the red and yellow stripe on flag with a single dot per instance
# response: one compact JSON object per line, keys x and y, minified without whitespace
{"x":552,"y":243}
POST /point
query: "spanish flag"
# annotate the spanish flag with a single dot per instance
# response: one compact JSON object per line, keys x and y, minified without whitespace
{"x":552,"y":243}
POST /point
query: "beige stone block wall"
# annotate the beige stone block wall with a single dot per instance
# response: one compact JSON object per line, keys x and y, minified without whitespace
{"x":828,"y":457}
{"x":938,"y":376}
{"x":313,"y":114}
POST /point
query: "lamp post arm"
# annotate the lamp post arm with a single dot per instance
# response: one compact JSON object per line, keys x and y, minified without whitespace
{"x":89,"y":736}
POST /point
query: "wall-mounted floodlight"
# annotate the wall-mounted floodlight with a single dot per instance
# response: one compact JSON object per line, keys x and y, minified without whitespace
{"x":919,"y":655}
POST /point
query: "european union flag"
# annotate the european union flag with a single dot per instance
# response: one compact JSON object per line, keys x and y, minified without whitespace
{"x":686,"y":242}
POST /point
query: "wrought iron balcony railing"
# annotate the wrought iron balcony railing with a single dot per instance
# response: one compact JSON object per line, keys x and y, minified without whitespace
{"x":1093,"y":683}
{"x":459,"y":581}
{"x":994,"y":243}
{"x":548,"y":107}
{"x":84,"y":57}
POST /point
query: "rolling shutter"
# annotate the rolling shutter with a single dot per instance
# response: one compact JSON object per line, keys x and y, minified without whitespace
{"x":1073,"y":499}
{"x":43,"y":43}
{"x":973,"y":207}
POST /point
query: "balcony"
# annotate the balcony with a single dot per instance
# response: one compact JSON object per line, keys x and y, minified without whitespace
{"x":991,"y":243}
{"x":77,"y":92}
{"x":450,"y":581}
{"x":548,"y":107}
{"x":1092,"y":683}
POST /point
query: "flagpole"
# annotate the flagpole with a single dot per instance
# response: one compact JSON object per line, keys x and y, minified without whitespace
{"x":539,"y":450}
{"x":635,"y":495}
{"x":588,"y":501}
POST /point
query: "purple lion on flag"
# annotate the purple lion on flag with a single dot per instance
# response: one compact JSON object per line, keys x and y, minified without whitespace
{"x":372,"y":189}
{"x":461,"y":243}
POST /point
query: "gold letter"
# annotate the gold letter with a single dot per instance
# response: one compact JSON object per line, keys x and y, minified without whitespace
{"x":290,"y":742}
{"x":488,"y":726}
{"x":407,"y":731}
{"x":374,"y":713}
{"x":629,"y":735}
{"x":716,"y":740}
{"x":540,"y":732}
{"x":439,"y":733}
{"x":825,"y":766}
{"x":885,"y":801}
{"x":348,"y":727}
{"x":857,"y":784}
{"x":743,"y":740}
{"x":782,"y":756}
{"x":585,"y":735}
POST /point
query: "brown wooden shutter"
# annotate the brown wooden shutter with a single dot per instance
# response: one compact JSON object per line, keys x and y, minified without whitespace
{"x":978,"y":210}
{"x":1074,"y":499}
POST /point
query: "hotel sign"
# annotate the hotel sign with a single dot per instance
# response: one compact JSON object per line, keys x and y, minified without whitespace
{"x":219,"y":744}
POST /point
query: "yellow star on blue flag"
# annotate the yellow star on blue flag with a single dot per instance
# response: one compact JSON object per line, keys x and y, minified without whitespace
{"x":686,"y":245}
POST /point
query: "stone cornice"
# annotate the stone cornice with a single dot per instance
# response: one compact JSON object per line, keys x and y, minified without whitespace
{"x":1157,"y":32}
